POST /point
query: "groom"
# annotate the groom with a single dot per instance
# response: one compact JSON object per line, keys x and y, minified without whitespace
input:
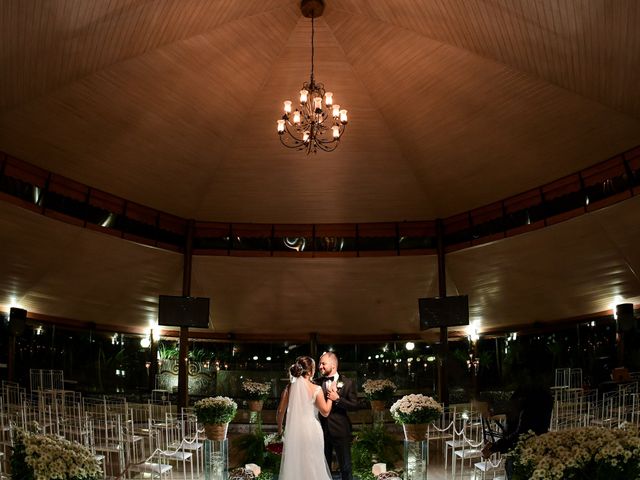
{"x":337,"y":426}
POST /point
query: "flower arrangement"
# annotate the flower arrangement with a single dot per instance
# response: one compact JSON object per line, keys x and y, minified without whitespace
{"x":379,"y":389}
{"x":256,"y":390}
{"x":43,"y":457}
{"x":273,"y":443}
{"x":590,"y":452}
{"x":214,"y":410}
{"x":415,"y":408}
{"x":250,"y":472}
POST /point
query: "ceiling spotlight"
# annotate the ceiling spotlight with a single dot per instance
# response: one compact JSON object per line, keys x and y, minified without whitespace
{"x":410,"y":346}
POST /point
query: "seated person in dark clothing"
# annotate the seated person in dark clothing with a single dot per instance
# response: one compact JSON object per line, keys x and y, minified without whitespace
{"x":531,"y":409}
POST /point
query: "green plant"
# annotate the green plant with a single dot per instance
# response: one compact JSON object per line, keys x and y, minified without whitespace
{"x":373,"y":444}
{"x":253,"y":448}
{"x":197,"y":354}
{"x":168,"y":352}
{"x":215,"y":410}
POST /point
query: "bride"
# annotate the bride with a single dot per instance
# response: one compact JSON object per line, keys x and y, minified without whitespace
{"x":303,"y":450}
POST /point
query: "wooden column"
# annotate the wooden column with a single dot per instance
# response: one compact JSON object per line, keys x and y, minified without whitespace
{"x":183,"y":358}
{"x":153,"y":362}
{"x":11,"y":360}
{"x":443,"y":371}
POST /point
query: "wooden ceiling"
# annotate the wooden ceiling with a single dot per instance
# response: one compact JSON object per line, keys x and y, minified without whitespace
{"x":452,"y":104}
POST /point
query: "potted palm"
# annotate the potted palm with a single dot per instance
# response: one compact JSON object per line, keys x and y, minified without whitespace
{"x":215,"y":413}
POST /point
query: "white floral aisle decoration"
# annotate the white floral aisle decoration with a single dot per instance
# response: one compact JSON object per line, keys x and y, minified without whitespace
{"x":256,"y":390}
{"x":593,"y":453}
{"x":415,"y":412}
{"x":379,"y":389}
{"x":38,"y":456}
{"x":415,"y":409}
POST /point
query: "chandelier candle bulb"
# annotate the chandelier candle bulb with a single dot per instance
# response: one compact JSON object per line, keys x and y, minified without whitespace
{"x":343,"y":116}
{"x":336,"y":131}
{"x":287,"y":106}
{"x":328,"y":98}
{"x":317,"y":104}
{"x":280,"y":126}
{"x":336,"y":111}
{"x":303,"y":96}
{"x":296,"y":117}
{"x":305,"y":137}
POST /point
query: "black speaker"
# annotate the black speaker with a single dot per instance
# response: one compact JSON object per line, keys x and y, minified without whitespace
{"x":183,"y":311}
{"x":443,"y":311}
{"x":17,"y":320}
{"x":626,"y":320}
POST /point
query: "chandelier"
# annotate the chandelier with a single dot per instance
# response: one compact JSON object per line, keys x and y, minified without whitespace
{"x":317,"y":122}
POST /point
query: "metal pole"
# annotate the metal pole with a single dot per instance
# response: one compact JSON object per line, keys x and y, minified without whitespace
{"x":183,"y":365}
{"x":443,"y":372}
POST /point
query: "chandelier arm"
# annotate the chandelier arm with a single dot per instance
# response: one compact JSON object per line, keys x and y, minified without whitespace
{"x":297,"y":142}
{"x":295,"y":146}
{"x":327,"y":146}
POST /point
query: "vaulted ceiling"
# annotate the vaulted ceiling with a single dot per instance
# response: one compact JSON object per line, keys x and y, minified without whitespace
{"x":452,"y":105}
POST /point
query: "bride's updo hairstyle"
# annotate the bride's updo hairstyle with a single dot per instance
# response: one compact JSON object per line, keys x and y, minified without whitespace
{"x":303,"y":366}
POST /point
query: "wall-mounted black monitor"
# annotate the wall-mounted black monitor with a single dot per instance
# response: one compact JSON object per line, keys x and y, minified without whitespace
{"x":443,"y":311}
{"x":183,"y":311}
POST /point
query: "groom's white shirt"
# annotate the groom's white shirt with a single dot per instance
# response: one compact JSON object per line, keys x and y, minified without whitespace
{"x":335,"y":376}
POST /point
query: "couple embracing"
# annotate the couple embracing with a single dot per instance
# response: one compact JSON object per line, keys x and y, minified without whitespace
{"x":316,"y":420}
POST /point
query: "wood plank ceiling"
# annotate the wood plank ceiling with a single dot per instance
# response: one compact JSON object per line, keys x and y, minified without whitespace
{"x":453,"y":104}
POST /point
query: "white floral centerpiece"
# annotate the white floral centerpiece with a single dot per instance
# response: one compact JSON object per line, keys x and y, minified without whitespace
{"x":415,"y":409}
{"x":43,"y":457}
{"x":592,"y":453}
{"x":256,"y":390}
{"x":379,"y":389}
{"x":213,"y":410}
{"x":215,"y":413}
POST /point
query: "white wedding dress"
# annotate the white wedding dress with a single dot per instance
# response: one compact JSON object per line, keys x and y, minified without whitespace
{"x":303,"y":449}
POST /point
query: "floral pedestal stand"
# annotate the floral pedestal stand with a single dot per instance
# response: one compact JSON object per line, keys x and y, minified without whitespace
{"x":216,"y":452}
{"x":416,"y":452}
{"x":255,"y":412}
{"x":378,"y":407}
{"x":216,"y":459}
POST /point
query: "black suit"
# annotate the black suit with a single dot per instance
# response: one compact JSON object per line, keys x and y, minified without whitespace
{"x":337,"y":426}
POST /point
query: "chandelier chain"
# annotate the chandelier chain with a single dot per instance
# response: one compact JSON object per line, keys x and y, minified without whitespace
{"x":312,"y":49}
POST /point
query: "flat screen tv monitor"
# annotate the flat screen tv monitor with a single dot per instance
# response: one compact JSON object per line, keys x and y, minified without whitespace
{"x":443,"y":311}
{"x":183,"y":311}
